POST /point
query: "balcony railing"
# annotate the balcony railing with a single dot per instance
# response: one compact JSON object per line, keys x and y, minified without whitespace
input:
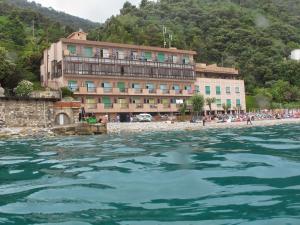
{"x":107,"y":90}
{"x":117,"y":67}
{"x":152,"y":91}
{"x":91,"y":89}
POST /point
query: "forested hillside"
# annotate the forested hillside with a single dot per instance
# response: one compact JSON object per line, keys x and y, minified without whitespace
{"x":25,"y":33}
{"x":255,"y":36}
{"x":61,"y":17}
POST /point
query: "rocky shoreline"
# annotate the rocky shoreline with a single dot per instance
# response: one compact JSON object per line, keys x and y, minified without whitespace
{"x":25,"y":132}
{"x":117,"y":128}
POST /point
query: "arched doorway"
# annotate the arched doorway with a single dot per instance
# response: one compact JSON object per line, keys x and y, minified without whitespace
{"x":62,"y":119}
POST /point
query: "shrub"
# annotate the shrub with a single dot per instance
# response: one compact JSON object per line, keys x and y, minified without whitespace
{"x":66,"y":92}
{"x":24,"y":88}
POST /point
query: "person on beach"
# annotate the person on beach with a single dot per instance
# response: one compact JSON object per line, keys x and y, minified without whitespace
{"x":204,"y":120}
{"x":249,"y":120}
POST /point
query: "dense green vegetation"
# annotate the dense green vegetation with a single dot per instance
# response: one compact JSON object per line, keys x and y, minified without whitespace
{"x":21,"y":47}
{"x":255,"y":36}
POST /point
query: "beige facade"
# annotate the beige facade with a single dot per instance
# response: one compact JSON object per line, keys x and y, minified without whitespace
{"x":110,"y":78}
{"x":223,"y":84}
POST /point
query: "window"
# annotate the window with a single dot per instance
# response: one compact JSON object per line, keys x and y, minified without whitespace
{"x":90,"y":86}
{"x":174,"y":59}
{"x":72,"y":85}
{"x":104,"y":53}
{"x":72,"y":49}
{"x":228,"y":102}
{"x":161,"y":57}
{"x":176,"y":88}
{"x":227,"y":90}
{"x":88,"y":52}
{"x":150,"y":87}
{"x":91,"y":103}
{"x":218,"y":90}
{"x":207,"y":90}
{"x":164,"y":88}
{"x":197,"y":88}
{"x":120,"y":54}
{"x":237,"y":90}
{"x":219,"y":103}
{"x":136,"y":87}
{"x":107,"y":87}
{"x":186,"y":60}
{"x":134,"y":55}
{"x":238,"y":102}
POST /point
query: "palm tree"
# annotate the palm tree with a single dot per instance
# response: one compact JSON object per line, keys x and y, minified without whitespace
{"x":226,"y":107}
{"x":209,"y":102}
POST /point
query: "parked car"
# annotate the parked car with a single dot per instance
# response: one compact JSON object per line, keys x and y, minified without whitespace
{"x":144,"y":117}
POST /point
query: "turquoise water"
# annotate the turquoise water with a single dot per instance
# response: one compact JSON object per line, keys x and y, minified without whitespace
{"x":239,"y":176}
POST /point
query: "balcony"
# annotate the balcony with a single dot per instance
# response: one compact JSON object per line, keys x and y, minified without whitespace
{"x":83,"y":66}
{"x":133,"y":108}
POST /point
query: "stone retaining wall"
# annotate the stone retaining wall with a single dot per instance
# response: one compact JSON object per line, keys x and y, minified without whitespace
{"x":36,"y":112}
{"x":26,"y":112}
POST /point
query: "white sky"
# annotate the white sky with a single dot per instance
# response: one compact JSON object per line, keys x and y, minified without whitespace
{"x":95,"y":10}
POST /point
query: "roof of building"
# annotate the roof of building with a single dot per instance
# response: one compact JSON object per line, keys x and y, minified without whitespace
{"x":202,"y":67}
{"x":118,"y":45}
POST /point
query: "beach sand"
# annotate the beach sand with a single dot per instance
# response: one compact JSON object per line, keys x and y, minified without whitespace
{"x":177,"y":126}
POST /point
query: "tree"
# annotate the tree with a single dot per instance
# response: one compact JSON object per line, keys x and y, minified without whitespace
{"x":24,"y":88}
{"x":197,"y":103}
{"x":209,"y":102}
{"x":7,"y":67}
{"x":226,"y":107}
{"x":183,"y":108}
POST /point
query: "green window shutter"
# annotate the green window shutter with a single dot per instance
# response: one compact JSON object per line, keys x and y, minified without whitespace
{"x":106,"y":101}
{"x":207,"y":90}
{"x":88,"y":51}
{"x":238,"y":102}
{"x":161,"y":57}
{"x":148,"y":56}
{"x":218,"y":90}
{"x":228,"y":102}
{"x":71,"y":49}
{"x":121,"y":86}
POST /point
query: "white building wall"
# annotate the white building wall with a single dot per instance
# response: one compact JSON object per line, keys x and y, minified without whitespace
{"x":295,"y":55}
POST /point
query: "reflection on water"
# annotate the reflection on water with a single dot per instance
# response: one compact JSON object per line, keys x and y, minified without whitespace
{"x":242,"y":176}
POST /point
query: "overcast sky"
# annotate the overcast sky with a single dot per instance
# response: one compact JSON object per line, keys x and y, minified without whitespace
{"x":95,"y":10}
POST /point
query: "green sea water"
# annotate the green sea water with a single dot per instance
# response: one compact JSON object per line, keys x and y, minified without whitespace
{"x":232,"y":176}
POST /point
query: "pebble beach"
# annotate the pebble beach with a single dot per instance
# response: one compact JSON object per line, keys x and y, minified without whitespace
{"x":117,"y":128}
{"x":179,"y":126}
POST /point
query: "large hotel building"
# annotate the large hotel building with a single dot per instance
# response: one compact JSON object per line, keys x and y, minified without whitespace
{"x":110,"y":78}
